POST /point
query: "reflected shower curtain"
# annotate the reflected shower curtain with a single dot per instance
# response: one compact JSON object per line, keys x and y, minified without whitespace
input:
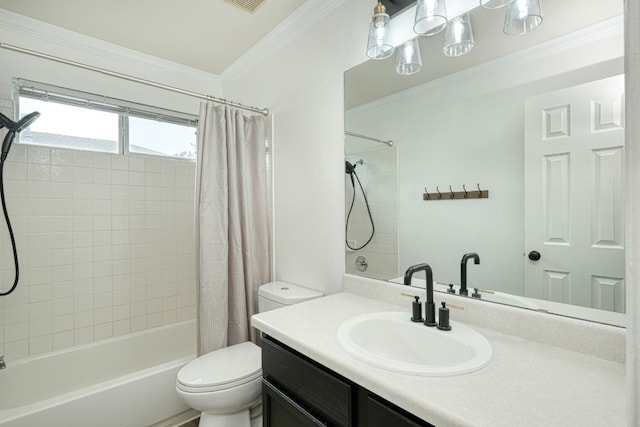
{"x":232,"y":224}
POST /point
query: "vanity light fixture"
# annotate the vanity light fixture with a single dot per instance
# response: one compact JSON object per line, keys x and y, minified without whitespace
{"x":431,"y":17}
{"x":379,"y":44}
{"x":408,"y":60}
{"x":523,"y":16}
{"x":458,"y":36}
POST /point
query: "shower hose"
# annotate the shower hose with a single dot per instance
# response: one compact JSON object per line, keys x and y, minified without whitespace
{"x":352,"y":173}
{"x":13,"y":240}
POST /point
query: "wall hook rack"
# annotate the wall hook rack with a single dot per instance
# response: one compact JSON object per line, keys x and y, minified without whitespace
{"x":453,"y":195}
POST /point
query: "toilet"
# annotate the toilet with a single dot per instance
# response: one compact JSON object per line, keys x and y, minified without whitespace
{"x":226,"y":385}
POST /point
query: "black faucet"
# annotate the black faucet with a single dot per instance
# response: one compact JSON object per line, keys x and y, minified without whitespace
{"x":429,"y":306}
{"x":463,"y":270}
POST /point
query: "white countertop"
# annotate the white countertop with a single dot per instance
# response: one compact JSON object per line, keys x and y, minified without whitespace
{"x":526,"y":383}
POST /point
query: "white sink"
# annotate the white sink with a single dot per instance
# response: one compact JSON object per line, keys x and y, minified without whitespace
{"x":393,"y":342}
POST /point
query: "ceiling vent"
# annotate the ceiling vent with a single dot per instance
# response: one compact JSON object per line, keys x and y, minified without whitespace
{"x":246,"y":5}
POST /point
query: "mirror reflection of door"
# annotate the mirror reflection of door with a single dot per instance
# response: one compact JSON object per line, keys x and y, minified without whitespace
{"x":574,"y":204}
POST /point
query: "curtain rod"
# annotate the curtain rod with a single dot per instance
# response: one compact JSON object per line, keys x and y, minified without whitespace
{"x":263,"y":111}
{"x":357,"y":135}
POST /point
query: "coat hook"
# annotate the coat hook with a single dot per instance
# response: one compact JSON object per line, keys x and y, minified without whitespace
{"x":426,"y":193}
{"x":465,"y":191}
{"x":439,"y":194}
{"x":451,"y":191}
{"x":479,"y":191}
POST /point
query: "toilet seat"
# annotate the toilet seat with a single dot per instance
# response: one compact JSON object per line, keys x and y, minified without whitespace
{"x":221,"y":369}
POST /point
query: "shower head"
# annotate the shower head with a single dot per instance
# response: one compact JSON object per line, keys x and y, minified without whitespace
{"x":20,"y":124}
{"x":13,"y":128}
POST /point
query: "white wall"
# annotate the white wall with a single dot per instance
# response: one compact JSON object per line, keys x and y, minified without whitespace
{"x":105,"y":241}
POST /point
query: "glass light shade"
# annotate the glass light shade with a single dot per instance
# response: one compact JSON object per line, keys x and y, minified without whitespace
{"x":379,"y":44}
{"x":408,"y":60}
{"x":522,"y":16}
{"x":494,"y":4}
{"x":431,"y":17}
{"x":458,"y":36}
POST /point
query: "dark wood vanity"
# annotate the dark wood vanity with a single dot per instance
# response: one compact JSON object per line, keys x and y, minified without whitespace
{"x":299,"y":392}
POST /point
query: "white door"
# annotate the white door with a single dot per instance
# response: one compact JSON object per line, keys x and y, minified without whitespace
{"x":574,"y":195}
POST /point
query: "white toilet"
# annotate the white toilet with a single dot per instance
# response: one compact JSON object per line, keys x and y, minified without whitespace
{"x":225,"y":385}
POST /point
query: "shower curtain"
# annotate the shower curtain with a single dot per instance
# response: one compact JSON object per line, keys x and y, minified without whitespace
{"x":232,"y":224}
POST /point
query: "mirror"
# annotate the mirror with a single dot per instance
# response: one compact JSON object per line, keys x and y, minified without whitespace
{"x":468,"y":123}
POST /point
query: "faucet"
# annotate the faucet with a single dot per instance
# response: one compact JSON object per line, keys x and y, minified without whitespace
{"x":463,"y":270}
{"x":2,"y":363}
{"x":429,"y":306}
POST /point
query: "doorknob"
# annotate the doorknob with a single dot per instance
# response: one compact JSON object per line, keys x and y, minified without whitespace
{"x":534,"y":255}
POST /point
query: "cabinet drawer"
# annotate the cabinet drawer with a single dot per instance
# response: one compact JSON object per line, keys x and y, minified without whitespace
{"x":325,"y":395}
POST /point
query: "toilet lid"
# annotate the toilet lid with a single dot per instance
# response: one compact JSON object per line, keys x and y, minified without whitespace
{"x":222,"y":368}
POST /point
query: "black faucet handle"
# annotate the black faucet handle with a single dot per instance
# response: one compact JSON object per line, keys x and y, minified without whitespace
{"x":476,"y":294}
{"x":451,"y":290}
{"x":443,"y":318}
{"x":416,"y":310}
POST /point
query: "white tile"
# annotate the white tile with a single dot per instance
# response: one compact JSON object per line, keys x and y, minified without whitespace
{"x":39,"y":189}
{"x":40,"y":327}
{"x":61,"y":157}
{"x":119,"y":163}
{"x":102,"y":161}
{"x":138,"y":323}
{"x":82,"y":191}
{"x":121,"y":312}
{"x":62,"y":257}
{"x":62,"y":340}
{"x":38,"y":155}
{"x":169,"y":317}
{"x":38,"y":172}
{"x":82,"y":319}
{"x":82,"y":158}
{"x":62,"y":306}
{"x":136,"y":164}
{"x":82,"y":255}
{"x":103,"y":331}
{"x":39,"y":293}
{"x":121,"y":327}
{"x":82,"y":175}
{"x":83,"y":335}
{"x":16,"y":350}
{"x":16,"y":332}
{"x":62,"y":323}
{"x":103,"y":315}
{"x":61,"y":190}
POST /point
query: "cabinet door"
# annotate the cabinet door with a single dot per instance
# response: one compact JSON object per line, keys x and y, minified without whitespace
{"x":279,"y":410}
{"x":315,"y":387}
{"x":381,"y":414}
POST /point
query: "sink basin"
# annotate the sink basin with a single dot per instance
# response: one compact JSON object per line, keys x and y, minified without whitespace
{"x":392,"y":342}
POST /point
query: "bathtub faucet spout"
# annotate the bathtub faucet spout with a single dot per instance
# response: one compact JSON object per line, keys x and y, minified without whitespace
{"x":2,"y":364}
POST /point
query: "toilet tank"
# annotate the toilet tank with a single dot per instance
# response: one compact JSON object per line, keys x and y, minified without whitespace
{"x":274,"y":295}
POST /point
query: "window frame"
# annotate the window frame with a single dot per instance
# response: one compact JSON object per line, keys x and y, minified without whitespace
{"x":125,"y":109}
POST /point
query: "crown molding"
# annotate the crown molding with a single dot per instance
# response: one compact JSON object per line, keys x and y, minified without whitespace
{"x":600,"y":31}
{"x":310,"y":12}
{"x":33,"y":34}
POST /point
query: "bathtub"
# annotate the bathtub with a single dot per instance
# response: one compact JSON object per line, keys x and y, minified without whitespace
{"x":124,"y":381}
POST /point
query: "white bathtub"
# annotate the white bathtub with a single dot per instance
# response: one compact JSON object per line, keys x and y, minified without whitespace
{"x":124,"y":381}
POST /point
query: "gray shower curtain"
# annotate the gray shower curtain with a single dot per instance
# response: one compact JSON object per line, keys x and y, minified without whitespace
{"x":232,"y":224}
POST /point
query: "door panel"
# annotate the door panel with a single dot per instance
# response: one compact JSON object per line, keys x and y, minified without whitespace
{"x":574,"y":195}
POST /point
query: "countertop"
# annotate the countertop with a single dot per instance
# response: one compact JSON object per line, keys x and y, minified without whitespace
{"x":526,"y":383}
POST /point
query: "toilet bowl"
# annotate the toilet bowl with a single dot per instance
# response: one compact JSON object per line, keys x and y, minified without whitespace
{"x":225,"y":385}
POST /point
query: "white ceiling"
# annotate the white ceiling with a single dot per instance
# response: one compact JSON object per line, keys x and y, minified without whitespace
{"x":208,"y":35}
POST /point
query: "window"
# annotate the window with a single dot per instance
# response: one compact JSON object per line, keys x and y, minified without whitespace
{"x":79,"y":120}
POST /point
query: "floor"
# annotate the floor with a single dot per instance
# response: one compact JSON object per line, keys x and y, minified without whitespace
{"x":192,"y":423}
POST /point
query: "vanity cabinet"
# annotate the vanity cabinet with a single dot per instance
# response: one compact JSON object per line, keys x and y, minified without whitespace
{"x":299,"y":392}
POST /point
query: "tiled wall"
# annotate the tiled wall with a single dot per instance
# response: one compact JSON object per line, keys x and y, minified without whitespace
{"x":379,"y":177}
{"x":106,"y":247}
